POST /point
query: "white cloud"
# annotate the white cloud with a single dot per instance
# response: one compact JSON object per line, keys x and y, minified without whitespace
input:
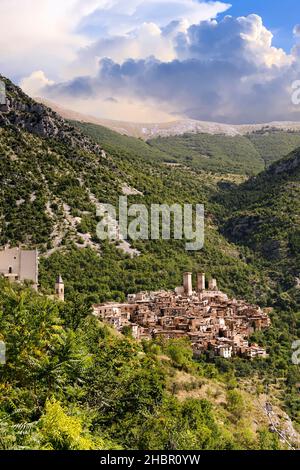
{"x":47,"y":34}
{"x":35,"y":83}
{"x":167,"y":57}
{"x":146,"y":40}
{"x":224,"y":71}
{"x":296,"y":30}
{"x":243,"y":38}
{"x":117,"y":17}
{"x":37,"y":35}
{"x":138,"y":29}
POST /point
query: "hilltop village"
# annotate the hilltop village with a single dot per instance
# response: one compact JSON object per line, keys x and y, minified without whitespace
{"x":206,"y":316}
{"x":213,"y":322}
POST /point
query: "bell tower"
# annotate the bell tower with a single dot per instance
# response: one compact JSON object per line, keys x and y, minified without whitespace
{"x":60,"y":289}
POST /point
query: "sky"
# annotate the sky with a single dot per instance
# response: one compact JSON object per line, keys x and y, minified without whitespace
{"x":280,"y":17}
{"x":156,"y":60}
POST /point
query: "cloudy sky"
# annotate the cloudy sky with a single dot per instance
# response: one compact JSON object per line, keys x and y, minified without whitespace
{"x":156,"y":60}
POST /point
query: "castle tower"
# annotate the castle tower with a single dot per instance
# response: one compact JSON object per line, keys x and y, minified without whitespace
{"x":200,"y":282}
{"x":213,"y":284}
{"x":187,"y":283}
{"x":60,"y":289}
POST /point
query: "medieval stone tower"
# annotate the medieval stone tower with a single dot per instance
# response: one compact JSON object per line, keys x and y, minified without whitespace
{"x":200,"y":282}
{"x":213,"y":284}
{"x":187,"y":284}
{"x":60,"y":288}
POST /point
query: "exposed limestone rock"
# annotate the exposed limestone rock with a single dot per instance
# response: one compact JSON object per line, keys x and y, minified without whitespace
{"x":129,"y":191}
{"x":25,"y":114}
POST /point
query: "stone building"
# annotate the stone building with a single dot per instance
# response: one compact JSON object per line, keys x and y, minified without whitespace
{"x":60,"y":289}
{"x":19,"y":265}
{"x":214,"y":323}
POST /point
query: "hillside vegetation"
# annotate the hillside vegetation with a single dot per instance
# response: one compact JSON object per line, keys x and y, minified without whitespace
{"x":274,"y":144}
{"x":243,"y":155}
{"x":53,"y":174}
{"x":70,"y":383}
{"x":122,"y":145}
{"x":212,"y":152}
{"x":49,"y":199}
{"x":249,"y":154}
{"x":263,"y":214}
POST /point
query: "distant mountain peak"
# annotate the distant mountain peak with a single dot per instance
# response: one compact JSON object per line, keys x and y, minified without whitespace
{"x":148,"y":131}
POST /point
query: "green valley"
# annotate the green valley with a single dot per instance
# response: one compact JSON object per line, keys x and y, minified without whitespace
{"x":243,"y":154}
{"x":72,"y":382}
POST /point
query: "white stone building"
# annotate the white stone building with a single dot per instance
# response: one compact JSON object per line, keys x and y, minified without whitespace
{"x":20,"y":265}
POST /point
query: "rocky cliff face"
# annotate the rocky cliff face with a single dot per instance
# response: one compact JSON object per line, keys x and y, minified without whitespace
{"x":24,"y":113}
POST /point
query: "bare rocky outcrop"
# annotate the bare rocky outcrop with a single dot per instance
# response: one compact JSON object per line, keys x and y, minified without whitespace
{"x":24,"y":113}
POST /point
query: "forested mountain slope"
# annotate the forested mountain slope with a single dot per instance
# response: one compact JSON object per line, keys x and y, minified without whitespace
{"x":244,"y":154}
{"x":264,"y":215}
{"x":278,"y":284}
{"x":212,"y":152}
{"x":76,"y":385}
{"x":50,"y":191}
{"x":53,"y":176}
{"x":241,"y":154}
{"x":274,"y":144}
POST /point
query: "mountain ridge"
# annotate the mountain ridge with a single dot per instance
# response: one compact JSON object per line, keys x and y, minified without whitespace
{"x":177,"y":127}
{"x":49,"y":193}
{"x":53,"y":207}
{"x":24,"y":113}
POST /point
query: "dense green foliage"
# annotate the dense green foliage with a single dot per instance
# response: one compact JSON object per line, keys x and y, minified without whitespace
{"x":217,"y":153}
{"x":122,"y":145}
{"x":263,"y":215}
{"x":83,"y":387}
{"x":50,"y":175}
{"x":71,"y":383}
{"x":247,"y":154}
{"x":273,"y":144}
